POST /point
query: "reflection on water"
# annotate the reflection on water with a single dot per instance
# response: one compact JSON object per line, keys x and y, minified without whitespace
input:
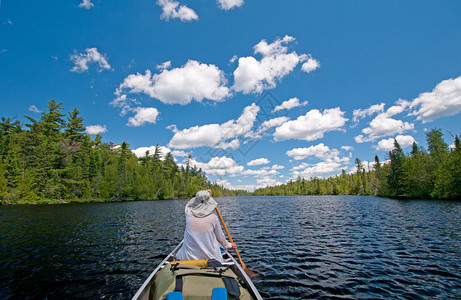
{"x":301,"y":247}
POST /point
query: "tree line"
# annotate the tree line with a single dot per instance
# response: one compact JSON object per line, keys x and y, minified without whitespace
{"x":53,"y":159}
{"x":431,"y":173}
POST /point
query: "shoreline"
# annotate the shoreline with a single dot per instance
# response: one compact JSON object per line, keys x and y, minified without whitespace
{"x":63,"y":202}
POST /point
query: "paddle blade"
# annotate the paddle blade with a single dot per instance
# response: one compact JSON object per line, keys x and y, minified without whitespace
{"x":250,"y":273}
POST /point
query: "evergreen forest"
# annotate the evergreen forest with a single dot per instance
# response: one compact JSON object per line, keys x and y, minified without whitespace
{"x":431,"y":173}
{"x":53,"y":160}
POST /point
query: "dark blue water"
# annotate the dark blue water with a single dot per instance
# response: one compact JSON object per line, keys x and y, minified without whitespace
{"x":345,"y":247}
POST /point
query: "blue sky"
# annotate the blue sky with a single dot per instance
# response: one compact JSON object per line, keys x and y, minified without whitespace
{"x":258,"y":92}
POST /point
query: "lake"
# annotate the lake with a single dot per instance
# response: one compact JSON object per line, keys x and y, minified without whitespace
{"x":348,"y":247}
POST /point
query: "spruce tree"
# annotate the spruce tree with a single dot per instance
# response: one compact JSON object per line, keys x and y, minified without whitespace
{"x":396,"y":176}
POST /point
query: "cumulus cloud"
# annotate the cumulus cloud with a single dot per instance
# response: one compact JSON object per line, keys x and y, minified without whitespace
{"x":317,"y":170}
{"x":260,"y":172}
{"x":277,"y":167}
{"x":229,"y":4}
{"x":234,"y":144}
{"x":172,"y":10}
{"x":219,"y":166}
{"x":388,"y":144}
{"x":88,"y":56}
{"x":383,"y":124}
{"x":125,"y":103}
{"x":193,"y":81}
{"x":86,"y":4}
{"x":214,"y":135}
{"x":259,"y":161}
{"x":267,"y":181}
{"x":164,"y":66}
{"x":268,"y":124}
{"x":312,"y":126}
{"x":444,"y":100}
{"x":34,"y":109}
{"x":275,"y":122}
{"x":347,"y":148}
{"x":143,"y":115}
{"x":95,"y":129}
{"x":289,"y":104}
{"x":179,"y":153}
{"x":319,"y":151}
{"x":362,"y":113}
{"x":310,"y":65}
{"x":254,"y":76}
{"x":141,"y":151}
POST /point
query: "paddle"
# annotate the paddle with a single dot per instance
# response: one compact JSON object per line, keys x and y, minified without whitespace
{"x":247,"y":270}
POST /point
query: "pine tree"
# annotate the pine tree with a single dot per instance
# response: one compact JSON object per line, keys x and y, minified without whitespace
{"x":74,"y":128}
{"x":52,"y":120}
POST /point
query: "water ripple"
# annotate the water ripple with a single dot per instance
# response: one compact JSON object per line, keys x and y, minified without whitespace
{"x":300,"y":247}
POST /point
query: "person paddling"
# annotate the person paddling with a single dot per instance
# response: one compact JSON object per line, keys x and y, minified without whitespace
{"x":203,"y":234}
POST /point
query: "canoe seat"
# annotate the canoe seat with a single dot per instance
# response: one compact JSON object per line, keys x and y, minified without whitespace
{"x":174,"y":296}
{"x":219,"y":294}
{"x":199,"y":263}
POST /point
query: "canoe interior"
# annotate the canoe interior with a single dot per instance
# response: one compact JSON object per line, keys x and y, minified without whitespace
{"x":144,"y":293}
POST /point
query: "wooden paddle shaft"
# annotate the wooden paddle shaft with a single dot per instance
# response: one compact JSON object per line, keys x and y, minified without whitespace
{"x":230,"y":238}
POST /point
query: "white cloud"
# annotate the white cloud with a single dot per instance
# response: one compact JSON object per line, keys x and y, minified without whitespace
{"x":214,"y":135}
{"x":260,"y":172}
{"x":179,"y":153}
{"x":86,"y":4}
{"x":310,"y":65}
{"x":317,"y":170}
{"x":319,"y":151}
{"x":383,"y":125}
{"x":233,"y":59}
{"x":267,"y":181}
{"x":274,"y":122}
{"x":143,"y":115}
{"x":219,"y":166}
{"x":141,"y":151}
{"x":164,"y":66}
{"x":347,"y":148}
{"x":229,"y":4}
{"x":388,"y":144}
{"x":444,"y":100}
{"x":362,"y":113}
{"x":277,"y":167}
{"x":234,"y":144}
{"x":172,"y":10}
{"x":289,"y":104}
{"x":312,"y":126}
{"x":253,"y":76}
{"x":95,"y":129}
{"x":266,"y":125}
{"x":34,"y":109}
{"x":259,"y":161}
{"x":193,"y":81}
{"x":124,"y":103}
{"x":89,"y":55}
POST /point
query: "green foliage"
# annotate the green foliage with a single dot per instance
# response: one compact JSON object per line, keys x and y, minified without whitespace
{"x":54,"y":160}
{"x":436,"y":174}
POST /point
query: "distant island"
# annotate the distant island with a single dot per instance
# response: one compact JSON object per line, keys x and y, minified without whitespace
{"x":54,"y":160}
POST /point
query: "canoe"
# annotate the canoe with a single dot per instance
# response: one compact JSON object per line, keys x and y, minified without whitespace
{"x":197,"y":280}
